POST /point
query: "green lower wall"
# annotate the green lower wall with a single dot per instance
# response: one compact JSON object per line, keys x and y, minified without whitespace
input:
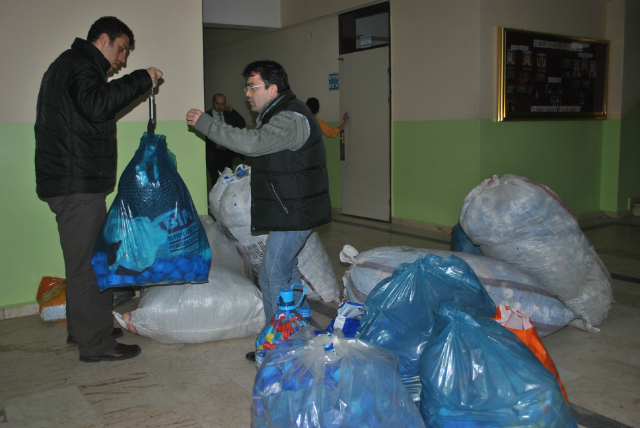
{"x":436,"y":163}
{"x":28,"y":230}
{"x":563,"y":155}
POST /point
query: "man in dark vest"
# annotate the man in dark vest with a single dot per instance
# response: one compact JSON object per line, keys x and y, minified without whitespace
{"x":219,"y":157}
{"x":76,"y":159}
{"x":289,"y":180}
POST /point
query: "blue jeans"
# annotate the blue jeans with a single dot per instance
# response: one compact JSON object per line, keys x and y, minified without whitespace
{"x":279,"y":268}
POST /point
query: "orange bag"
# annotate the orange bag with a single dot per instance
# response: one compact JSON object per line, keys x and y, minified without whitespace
{"x":521,"y":326}
{"x":52,"y":298}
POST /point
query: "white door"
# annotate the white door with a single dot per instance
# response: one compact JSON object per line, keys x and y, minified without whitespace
{"x":364,"y":94}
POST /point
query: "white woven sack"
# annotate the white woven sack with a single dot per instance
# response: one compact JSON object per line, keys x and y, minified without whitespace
{"x":526,"y":225}
{"x":230,"y":203}
{"x":228,"y":306}
{"x":505,"y":284}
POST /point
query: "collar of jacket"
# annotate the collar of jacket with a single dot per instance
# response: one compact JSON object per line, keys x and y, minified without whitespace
{"x":272,"y":106}
{"x":93,"y":51}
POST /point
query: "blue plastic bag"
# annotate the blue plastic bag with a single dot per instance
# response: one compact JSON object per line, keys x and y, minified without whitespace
{"x":319,"y":380}
{"x":152,"y":234}
{"x":399,"y":310}
{"x":460,"y":242}
{"x":476,"y":373}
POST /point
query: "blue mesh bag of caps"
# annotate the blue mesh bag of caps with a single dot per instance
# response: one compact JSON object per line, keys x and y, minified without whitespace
{"x":476,"y":373}
{"x":460,"y":242}
{"x":152,"y":234}
{"x":316,"y":379}
{"x":399,"y":311}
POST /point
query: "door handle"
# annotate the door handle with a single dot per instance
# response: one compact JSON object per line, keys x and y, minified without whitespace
{"x":342,"y":154}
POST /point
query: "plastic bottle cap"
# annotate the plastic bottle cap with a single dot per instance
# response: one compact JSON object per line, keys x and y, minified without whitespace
{"x":304,"y":311}
{"x":285,"y":299}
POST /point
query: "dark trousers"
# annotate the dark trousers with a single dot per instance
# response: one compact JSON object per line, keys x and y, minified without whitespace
{"x":89,"y":316}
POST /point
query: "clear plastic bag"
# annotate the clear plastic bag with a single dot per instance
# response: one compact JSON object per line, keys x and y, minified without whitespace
{"x":399,"y":312}
{"x":475,"y":373}
{"x":320,"y":380}
{"x":152,"y":234}
{"x":526,"y":225}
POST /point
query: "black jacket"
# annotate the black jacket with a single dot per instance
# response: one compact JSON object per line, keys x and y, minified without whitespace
{"x":290,"y":189}
{"x":76,"y":145}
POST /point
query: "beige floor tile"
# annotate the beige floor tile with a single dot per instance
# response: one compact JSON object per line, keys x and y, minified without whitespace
{"x":604,"y":398}
{"x":53,"y":407}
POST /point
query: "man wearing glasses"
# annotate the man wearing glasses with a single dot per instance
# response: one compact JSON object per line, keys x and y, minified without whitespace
{"x":289,"y":180}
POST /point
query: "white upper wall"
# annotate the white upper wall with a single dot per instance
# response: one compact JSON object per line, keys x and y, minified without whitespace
{"x":241,"y":13}
{"x":35,"y":32}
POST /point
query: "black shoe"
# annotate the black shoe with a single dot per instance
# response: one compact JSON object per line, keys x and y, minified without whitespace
{"x":251,"y":356}
{"x":117,"y":332}
{"x":120,"y":352}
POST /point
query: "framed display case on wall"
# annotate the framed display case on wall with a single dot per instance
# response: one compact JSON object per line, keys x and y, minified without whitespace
{"x":550,"y":77}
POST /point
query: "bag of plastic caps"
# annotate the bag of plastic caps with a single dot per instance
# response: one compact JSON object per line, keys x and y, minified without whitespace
{"x":460,"y":242}
{"x":526,"y":225}
{"x":521,"y":326}
{"x":506,"y":285}
{"x":230,"y":203}
{"x":52,"y":299}
{"x":228,"y":306}
{"x":152,"y":233}
{"x":319,"y":380}
{"x":475,"y":373}
{"x":399,"y":311}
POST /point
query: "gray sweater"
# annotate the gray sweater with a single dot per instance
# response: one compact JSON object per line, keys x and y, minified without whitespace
{"x":285,"y":131}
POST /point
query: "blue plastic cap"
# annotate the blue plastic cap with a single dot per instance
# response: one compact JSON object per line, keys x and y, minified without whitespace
{"x":304,"y":311}
{"x":285,"y":299}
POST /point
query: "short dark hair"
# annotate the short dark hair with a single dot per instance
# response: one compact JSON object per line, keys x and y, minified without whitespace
{"x":270,"y":72}
{"x":314,"y":105}
{"x":112,"y":27}
{"x":219,"y":95}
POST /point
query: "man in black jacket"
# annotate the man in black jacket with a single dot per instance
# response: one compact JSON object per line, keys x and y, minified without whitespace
{"x":219,"y":157}
{"x":76,"y":156}
{"x":289,"y":179}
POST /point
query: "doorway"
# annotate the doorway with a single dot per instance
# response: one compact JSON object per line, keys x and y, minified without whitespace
{"x":364,"y":72}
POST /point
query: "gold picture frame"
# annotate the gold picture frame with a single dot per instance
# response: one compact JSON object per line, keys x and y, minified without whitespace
{"x":545,"y":76}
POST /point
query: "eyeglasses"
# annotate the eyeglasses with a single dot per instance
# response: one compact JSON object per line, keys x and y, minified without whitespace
{"x":246,"y":88}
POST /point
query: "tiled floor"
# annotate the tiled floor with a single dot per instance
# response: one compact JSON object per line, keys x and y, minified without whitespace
{"x":42,"y":383}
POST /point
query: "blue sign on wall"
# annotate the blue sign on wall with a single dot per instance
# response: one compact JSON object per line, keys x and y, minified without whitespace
{"x":334,"y":83}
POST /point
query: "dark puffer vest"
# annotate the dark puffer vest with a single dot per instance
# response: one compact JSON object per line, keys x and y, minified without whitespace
{"x":76,"y":145}
{"x":290,"y":189}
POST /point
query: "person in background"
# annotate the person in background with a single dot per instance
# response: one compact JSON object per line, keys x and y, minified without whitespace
{"x":76,"y":158}
{"x":329,"y":131}
{"x":289,"y":179}
{"x":219,"y":157}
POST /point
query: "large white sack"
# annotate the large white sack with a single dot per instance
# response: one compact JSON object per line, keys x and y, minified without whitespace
{"x":526,"y":225}
{"x":505,"y":284}
{"x":227,"y":306}
{"x":230,"y":203}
